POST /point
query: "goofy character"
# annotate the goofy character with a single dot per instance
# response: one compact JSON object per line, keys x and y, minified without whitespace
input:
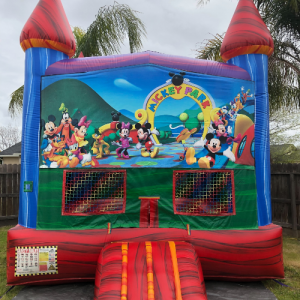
{"x":66,"y":127}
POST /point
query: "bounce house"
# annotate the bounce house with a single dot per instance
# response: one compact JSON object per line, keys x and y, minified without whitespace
{"x":146,"y":173}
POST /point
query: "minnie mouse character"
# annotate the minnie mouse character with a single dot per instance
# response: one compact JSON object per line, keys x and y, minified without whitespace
{"x":219,"y":127}
{"x":144,"y":134}
{"x":213,"y":146}
{"x":125,"y":139}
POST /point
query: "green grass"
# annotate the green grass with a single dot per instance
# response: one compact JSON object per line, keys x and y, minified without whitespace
{"x":291,"y":258}
{"x":3,"y":287}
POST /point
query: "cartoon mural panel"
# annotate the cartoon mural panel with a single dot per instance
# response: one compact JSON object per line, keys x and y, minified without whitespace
{"x":123,"y":118}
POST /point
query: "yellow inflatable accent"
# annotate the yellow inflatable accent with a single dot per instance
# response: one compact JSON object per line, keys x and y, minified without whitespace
{"x":213,"y":114}
{"x":103,"y":128}
{"x":242,"y":124}
{"x":141,"y":115}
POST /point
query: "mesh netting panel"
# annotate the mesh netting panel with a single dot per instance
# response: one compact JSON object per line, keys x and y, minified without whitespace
{"x":204,"y":193}
{"x":94,"y":192}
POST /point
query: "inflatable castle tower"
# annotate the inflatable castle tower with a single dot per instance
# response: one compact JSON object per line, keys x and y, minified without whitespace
{"x":145,"y":173}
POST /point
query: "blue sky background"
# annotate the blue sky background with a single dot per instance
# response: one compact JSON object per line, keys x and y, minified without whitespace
{"x":128,"y":87}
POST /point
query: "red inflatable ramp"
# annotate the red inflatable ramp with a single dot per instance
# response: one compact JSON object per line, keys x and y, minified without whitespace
{"x":149,"y":271}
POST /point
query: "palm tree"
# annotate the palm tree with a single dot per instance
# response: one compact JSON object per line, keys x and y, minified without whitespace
{"x":284,"y":69}
{"x":284,"y":64}
{"x":16,"y":102}
{"x":210,"y":48}
{"x":104,"y":36}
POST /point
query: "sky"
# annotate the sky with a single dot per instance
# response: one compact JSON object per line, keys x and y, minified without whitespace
{"x":175,"y":27}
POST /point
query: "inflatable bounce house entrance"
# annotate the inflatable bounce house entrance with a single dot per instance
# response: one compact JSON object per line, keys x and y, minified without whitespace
{"x":145,"y":172}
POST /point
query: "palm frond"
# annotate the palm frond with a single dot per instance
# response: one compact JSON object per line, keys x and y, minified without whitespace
{"x":202,"y":2}
{"x":111,"y":26}
{"x":16,"y":102}
{"x":284,"y":68}
{"x":210,"y":48}
{"x":284,"y":73}
{"x":78,"y":33}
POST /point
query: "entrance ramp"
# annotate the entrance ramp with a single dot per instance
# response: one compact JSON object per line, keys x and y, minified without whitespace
{"x":149,"y":271}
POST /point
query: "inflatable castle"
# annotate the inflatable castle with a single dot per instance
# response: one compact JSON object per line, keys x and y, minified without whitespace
{"x":145,"y":173}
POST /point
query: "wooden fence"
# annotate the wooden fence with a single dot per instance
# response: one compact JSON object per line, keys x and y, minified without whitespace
{"x":9,"y":191}
{"x":285,"y":191}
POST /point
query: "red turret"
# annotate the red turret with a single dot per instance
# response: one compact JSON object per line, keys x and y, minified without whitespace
{"x":247,"y":33}
{"x":48,"y":27}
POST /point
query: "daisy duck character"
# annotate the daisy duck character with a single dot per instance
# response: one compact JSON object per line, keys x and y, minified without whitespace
{"x":81,"y":132}
{"x":221,"y":114}
{"x":76,"y":157}
{"x":125,"y":139}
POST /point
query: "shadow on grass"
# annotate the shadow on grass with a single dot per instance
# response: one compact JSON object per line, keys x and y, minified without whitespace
{"x":291,"y":258}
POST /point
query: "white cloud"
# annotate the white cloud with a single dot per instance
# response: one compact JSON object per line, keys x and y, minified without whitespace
{"x":124,"y":84}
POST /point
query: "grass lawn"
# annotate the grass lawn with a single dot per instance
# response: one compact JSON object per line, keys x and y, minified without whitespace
{"x":291,"y":258}
{"x":3,"y":287}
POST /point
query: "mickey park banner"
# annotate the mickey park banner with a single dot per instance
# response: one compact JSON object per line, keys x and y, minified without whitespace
{"x":146,"y":116}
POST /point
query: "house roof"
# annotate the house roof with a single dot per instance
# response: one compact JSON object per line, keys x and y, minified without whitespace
{"x":15,"y":149}
{"x":247,"y":33}
{"x":48,"y":27}
{"x":95,"y":63}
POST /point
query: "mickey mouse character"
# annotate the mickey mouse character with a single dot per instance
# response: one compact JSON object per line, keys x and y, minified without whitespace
{"x":52,"y":145}
{"x":50,"y":129}
{"x":213,"y":146}
{"x":144,"y":134}
{"x":50,"y":133}
{"x":125,"y":139}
